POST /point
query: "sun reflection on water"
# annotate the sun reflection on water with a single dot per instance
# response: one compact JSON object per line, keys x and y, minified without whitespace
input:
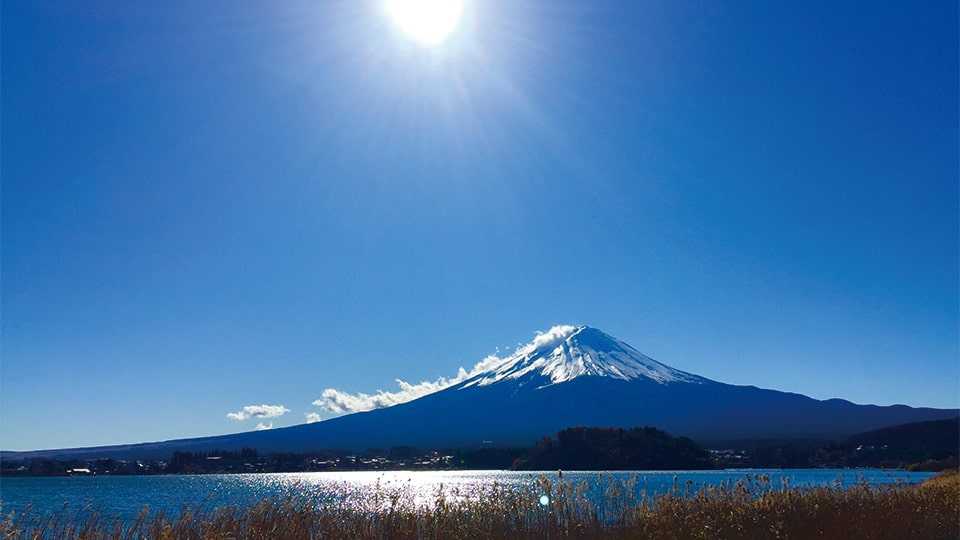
{"x":378,"y":490}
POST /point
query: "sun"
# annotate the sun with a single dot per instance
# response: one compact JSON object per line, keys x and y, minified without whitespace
{"x":429,"y":22}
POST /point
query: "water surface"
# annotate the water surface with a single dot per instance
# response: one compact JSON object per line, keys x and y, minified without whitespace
{"x":126,"y":496}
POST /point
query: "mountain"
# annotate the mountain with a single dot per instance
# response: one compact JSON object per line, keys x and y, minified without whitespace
{"x":569,"y":376}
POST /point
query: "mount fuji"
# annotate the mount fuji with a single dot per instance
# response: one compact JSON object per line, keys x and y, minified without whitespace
{"x":570,"y":376}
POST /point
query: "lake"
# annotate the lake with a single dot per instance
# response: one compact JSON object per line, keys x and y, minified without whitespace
{"x":126,"y":496}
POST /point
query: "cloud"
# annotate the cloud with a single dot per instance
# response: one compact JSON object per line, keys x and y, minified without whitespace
{"x":261,"y":426}
{"x":339,"y":402}
{"x":312,"y":417}
{"x":258,"y":411}
{"x":550,"y":338}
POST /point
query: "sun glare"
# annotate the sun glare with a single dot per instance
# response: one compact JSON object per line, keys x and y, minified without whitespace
{"x":428,"y":22}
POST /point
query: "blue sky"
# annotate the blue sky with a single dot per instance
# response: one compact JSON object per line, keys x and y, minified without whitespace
{"x":210,"y":205}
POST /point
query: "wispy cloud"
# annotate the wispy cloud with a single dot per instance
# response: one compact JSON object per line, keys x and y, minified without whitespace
{"x":262,"y":426}
{"x":258,"y":411}
{"x":339,"y":402}
{"x":549,"y":338}
{"x":312,"y":417}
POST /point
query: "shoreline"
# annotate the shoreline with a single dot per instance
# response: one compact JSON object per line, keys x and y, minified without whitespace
{"x":532,"y":471}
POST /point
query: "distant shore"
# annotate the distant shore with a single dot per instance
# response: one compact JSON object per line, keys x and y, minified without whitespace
{"x":925,"y":446}
{"x":90,"y":473}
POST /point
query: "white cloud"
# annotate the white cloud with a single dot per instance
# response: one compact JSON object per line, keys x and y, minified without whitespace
{"x":550,"y":338}
{"x":258,"y":411}
{"x":313,"y":417}
{"x":339,"y":402}
{"x":261,"y":426}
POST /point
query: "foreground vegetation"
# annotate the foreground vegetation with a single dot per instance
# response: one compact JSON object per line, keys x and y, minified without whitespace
{"x":750,"y":509}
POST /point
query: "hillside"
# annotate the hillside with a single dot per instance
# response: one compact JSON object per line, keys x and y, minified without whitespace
{"x":611,"y":449}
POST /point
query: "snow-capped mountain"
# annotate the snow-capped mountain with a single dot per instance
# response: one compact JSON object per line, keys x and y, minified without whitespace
{"x":566,"y":352}
{"x":568,"y":376}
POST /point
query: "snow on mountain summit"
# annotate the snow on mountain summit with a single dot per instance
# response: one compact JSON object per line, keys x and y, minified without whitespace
{"x":565,"y":352}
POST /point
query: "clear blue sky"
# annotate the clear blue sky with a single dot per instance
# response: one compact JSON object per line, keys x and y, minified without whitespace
{"x":214,"y":204}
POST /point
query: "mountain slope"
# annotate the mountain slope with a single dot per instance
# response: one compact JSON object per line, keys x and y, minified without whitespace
{"x":928,"y":440}
{"x":567,"y":352}
{"x":570,"y":376}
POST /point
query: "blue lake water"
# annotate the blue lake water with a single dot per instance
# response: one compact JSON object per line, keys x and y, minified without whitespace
{"x":126,"y":496}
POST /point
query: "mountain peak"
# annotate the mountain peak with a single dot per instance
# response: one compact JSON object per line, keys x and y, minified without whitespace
{"x":566,"y":352}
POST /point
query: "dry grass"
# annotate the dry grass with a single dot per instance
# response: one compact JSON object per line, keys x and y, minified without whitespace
{"x":945,"y":479}
{"x":748,"y":510}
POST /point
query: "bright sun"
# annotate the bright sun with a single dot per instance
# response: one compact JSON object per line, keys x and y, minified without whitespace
{"x":429,"y":22}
